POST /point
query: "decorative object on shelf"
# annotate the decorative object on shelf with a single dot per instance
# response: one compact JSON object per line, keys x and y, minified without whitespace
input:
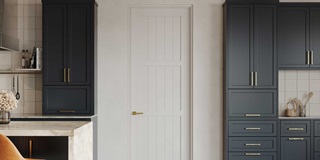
{"x":303,"y":107}
{"x":293,"y":111}
{"x":8,"y":102}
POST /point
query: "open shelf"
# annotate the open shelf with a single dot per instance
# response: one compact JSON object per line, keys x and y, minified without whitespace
{"x":21,"y":71}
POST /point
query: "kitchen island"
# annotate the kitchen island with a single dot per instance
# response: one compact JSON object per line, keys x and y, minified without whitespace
{"x":78,"y":133}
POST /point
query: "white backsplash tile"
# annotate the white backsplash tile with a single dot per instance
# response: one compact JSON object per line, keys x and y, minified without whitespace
{"x":291,"y":74}
{"x":298,"y":84}
{"x":29,"y":24}
{"x":290,"y":85}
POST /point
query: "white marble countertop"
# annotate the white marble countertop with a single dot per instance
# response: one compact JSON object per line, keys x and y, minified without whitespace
{"x":44,"y":128}
{"x":40,"y":116}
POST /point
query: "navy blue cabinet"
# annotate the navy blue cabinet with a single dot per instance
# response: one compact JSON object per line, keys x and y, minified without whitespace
{"x":68,"y":57}
{"x":299,"y":37}
{"x":250,"y":50}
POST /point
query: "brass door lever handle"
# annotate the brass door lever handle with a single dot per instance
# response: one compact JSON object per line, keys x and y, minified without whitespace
{"x":136,"y":113}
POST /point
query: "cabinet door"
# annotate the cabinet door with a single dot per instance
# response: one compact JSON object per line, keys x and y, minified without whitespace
{"x":239,"y":47}
{"x":79,"y":39}
{"x":252,"y":103}
{"x":54,"y":44}
{"x":315,"y":36}
{"x":21,"y":144}
{"x":264,"y":46}
{"x":295,"y":148}
{"x":67,"y":100}
{"x":49,"y":148}
{"x":293,"y":34}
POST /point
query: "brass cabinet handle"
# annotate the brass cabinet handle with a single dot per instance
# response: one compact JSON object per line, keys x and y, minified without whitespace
{"x":30,"y":148}
{"x":252,"y":144}
{"x":67,"y":111}
{"x":69,"y":75}
{"x":252,"y":115}
{"x":253,"y":154}
{"x":255,"y":78}
{"x":64,"y":75}
{"x":308,"y":57}
{"x":251,"y":79}
{"x":311,"y":57}
{"x":295,"y":139}
{"x":252,"y":128}
{"x":136,"y":113}
{"x":295,"y":129}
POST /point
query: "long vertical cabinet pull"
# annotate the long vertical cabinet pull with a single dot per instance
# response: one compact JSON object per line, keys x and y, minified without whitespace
{"x":255,"y":78}
{"x":311,"y":57}
{"x":69,"y":75}
{"x":64,"y":75}
{"x":308,"y":57}
{"x":30,"y":148}
{"x":251,"y":79}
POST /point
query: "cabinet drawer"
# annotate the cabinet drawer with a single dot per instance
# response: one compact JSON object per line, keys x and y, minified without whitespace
{"x":317,"y":155}
{"x":252,"y":144}
{"x":252,"y":103}
{"x":252,"y":128}
{"x":317,"y":128}
{"x":252,"y":156}
{"x":66,"y":100}
{"x":295,"y":128}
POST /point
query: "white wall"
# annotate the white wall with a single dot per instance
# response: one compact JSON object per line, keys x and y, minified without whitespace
{"x":112,"y":77}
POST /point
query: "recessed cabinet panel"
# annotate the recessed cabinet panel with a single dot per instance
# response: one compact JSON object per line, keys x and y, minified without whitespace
{"x":252,"y":128}
{"x":252,"y":103}
{"x":293,"y":37}
{"x":252,"y":156}
{"x":66,"y":100}
{"x":54,"y":44}
{"x":295,"y":148}
{"x":264,"y":46}
{"x":240,"y":56}
{"x":315,"y":36}
{"x":78,"y":45}
{"x":295,"y":128}
{"x":252,"y":144}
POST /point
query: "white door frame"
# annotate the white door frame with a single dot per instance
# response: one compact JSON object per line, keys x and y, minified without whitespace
{"x":130,"y":7}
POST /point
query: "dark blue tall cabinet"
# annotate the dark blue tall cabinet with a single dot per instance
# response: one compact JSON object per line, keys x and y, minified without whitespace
{"x":251,"y":80}
{"x":68,"y":56}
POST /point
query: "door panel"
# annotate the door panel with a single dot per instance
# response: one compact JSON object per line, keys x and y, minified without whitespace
{"x":252,"y":103}
{"x":160,"y":83}
{"x":66,"y":100}
{"x":54,"y":44}
{"x":293,"y":34}
{"x":240,"y":46}
{"x":264,"y":46}
{"x":315,"y":36}
{"x":295,"y":149}
{"x":79,"y":44}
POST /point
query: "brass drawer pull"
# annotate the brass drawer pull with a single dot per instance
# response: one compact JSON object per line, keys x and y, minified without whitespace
{"x":252,"y":144}
{"x":253,"y":115}
{"x":252,"y":128}
{"x":295,"y":139}
{"x":295,"y":129}
{"x":67,"y":111}
{"x":253,"y":154}
{"x":30,"y":149}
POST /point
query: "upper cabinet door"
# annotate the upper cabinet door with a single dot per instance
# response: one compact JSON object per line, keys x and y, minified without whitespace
{"x":264,"y":46}
{"x":239,"y":46}
{"x":315,"y":37}
{"x":54,"y":44}
{"x":79,"y":39}
{"x":293,"y":37}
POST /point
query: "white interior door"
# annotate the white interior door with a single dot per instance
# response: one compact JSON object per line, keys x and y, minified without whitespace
{"x":160,"y":83}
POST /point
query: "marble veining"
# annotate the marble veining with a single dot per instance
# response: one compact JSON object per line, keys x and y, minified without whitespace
{"x":48,"y":116}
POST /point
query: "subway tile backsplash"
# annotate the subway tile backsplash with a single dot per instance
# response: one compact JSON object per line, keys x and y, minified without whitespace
{"x":30,"y":35}
{"x":293,"y":83}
